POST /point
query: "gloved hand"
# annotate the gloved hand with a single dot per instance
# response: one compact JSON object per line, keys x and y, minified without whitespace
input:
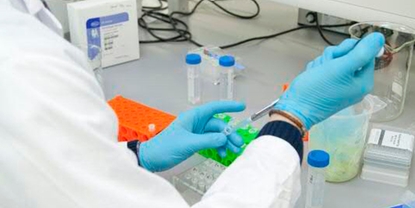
{"x":191,"y":132}
{"x":339,"y":78}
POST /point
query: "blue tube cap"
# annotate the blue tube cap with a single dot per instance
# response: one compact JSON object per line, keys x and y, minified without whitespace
{"x":193,"y":59}
{"x":227,"y":61}
{"x":318,"y":159}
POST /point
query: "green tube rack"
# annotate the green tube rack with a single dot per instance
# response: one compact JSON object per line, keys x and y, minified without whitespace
{"x":247,"y":133}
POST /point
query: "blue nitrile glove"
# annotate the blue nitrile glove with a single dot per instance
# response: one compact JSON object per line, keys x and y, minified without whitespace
{"x":341,"y":77}
{"x":191,"y":132}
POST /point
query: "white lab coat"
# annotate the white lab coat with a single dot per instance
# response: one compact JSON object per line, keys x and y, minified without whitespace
{"x":58,"y":138}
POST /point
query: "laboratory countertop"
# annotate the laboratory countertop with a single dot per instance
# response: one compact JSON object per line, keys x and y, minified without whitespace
{"x":158,"y":79}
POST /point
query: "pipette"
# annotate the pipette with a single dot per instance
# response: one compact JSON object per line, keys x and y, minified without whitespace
{"x":254,"y":117}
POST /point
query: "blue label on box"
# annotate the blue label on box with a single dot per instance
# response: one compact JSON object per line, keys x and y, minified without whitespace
{"x":94,"y":26}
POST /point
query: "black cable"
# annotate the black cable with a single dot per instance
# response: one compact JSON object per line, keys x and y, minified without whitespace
{"x":258,"y":10}
{"x":220,"y":7}
{"x":320,"y":31}
{"x":183,"y":35}
{"x":182,"y":31}
{"x":279,"y":34}
{"x":338,"y":25}
{"x":174,"y":22}
{"x":186,"y":14}
{"x":264,"y":37}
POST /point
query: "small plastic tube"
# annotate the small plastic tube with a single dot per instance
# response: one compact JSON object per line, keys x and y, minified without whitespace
{"x":233,"y":126}
{"x":317,"y":160}
{"x":194,"y":82}
{"x":226,"y":76}
{"x":381,"y":52}
{"x":253,"y":131}
{"x":152,"y":129}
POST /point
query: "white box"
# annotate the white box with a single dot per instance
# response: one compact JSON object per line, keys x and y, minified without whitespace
{"x":109,"y":24}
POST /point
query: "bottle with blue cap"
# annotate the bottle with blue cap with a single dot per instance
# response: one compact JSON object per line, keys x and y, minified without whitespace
{"x":226,"y":76}
{"x":194,"y":79}
{"x":317,"y":161}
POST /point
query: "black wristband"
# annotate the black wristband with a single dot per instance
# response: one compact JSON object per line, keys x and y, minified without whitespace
{"x":287,"y":132}
{"x":135,"y":147}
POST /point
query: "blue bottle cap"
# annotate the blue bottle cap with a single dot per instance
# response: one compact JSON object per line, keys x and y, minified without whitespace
{"x":227,"y":61}
{"x":193,"y":59}
{"x":318,"y":159}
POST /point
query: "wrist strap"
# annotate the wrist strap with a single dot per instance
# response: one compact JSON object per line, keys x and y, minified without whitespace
{"x":285,"y":131}
{"x":293,"y":119}
{"x":135,"y":147}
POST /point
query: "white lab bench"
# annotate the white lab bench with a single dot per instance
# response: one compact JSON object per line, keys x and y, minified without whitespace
{"x":158,"y":80}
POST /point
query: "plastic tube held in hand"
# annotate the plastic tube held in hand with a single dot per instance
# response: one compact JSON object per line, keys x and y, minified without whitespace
{"x":233,"y":126}
{"x":381,"y":52}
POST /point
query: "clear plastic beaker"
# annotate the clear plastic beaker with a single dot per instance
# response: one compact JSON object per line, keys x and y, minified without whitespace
{"x":391,"y":69}
{"x":342,"y":136}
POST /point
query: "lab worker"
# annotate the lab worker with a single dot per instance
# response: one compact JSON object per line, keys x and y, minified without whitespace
{"x":58,"y":145}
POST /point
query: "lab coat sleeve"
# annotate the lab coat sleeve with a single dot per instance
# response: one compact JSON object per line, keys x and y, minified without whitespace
{"x":58,"y":136}
{"x":266,"y":175}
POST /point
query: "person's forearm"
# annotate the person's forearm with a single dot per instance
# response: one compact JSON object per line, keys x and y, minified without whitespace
{"x":268,"y":172}
{"x":286,"y":129}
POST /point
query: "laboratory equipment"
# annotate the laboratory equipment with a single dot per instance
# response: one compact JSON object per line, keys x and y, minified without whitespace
{"x":194,"y":182}
{"x":210,"y":64}
{"x":111,"y":25}
{"x":232,"y":126}
{"x":392,"y":68}
{"x":357,"y":10}
{"x":226,"y":88}
{"x":210,"y":71}
{"x":342,"y":136}
{"x":317,"y":161}
{"x":136,"y":120}
{"x":388,"y":155}
{"x":308,"y":17}
{"x":194,"y":79}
